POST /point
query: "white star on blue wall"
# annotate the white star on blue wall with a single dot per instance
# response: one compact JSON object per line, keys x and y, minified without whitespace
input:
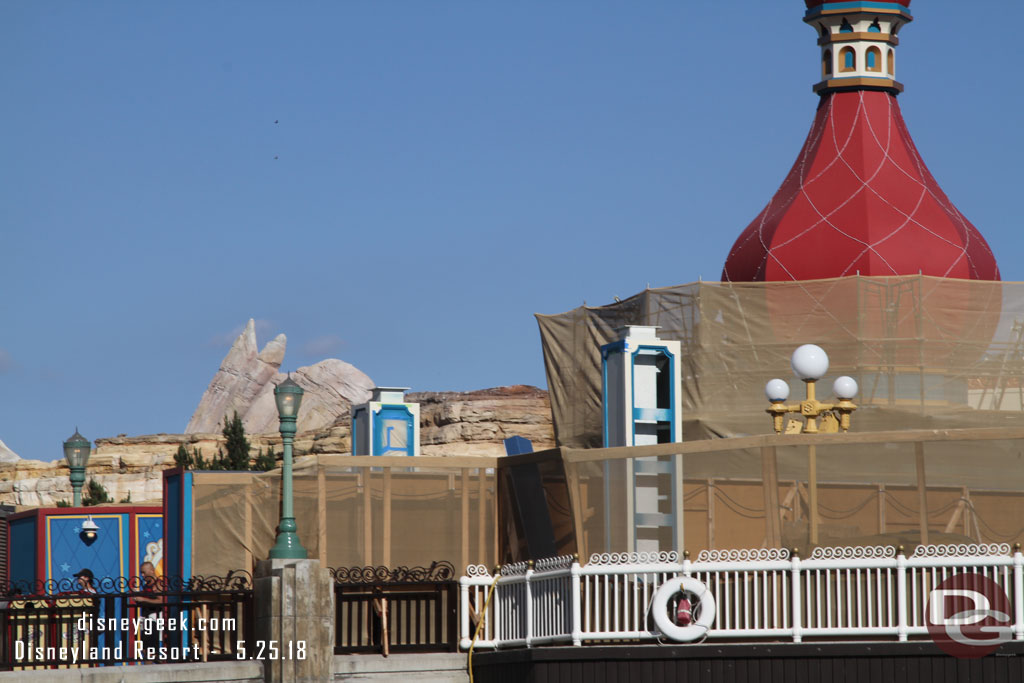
{"x":65,"y":567}
{"x":146,"y":534}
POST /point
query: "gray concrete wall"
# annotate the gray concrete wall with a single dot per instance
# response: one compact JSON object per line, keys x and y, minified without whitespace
{"x":210,"y":672}
{"x":442,"y":667}
{"x":434,"y":667}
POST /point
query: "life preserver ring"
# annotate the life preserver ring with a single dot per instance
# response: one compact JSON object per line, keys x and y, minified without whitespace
{"x":697,"y":629}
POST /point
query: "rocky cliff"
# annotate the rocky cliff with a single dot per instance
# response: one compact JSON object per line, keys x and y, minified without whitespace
{"x":451,"y":423}
{"x":6,"y":454}
{"x":245,"y":383}
{"x":476,"y":422}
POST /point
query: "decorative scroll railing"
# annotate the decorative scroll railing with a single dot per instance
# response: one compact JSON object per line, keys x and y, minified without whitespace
{"x":57,"y":624}
{"x":402,"y":609}
{"x":764,"y":593}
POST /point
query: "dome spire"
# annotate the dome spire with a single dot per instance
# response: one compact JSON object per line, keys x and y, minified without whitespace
{"x":859,"y":198}
{"x":858,"y":43}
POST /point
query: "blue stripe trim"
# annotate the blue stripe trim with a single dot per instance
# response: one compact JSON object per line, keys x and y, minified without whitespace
{"x":653,"y":414}
{"x":867,"y":6}
{"x":186,"y":526}
{"x":620,"y":345}
{"x":850,"y":78}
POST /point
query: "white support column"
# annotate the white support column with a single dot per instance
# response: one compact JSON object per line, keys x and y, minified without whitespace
{"x":464,"y":635}
{"x":529,"y":605}
{"x":795,"y":594}
{"x":1018,"y":592}
{"x":901,"y":594}
{"x":576,"y":596}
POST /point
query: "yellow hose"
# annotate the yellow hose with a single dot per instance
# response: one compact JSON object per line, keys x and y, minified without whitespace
{"x":480,"y":622}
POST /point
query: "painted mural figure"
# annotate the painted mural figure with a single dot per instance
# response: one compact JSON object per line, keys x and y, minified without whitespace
{"x":149,"y":607}
{"x":85,"y":580}
{"x":86,"y":584}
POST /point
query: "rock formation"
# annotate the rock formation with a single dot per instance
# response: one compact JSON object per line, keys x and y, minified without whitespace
{"x":477,"y":422}
{"x":243,"y":374}
{"x":451,"y":423}
{"x":332,"y":386}
{"x":6,"y":454}
{"x":245,"y":383}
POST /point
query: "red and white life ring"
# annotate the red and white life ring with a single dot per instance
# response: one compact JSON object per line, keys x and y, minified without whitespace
{"x":696,"y":629}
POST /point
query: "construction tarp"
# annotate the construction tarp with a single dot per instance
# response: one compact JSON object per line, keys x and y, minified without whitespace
{"x":927,"y":352}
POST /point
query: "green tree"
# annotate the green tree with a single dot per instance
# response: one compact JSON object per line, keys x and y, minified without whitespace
{"x":182,"y":458}
{"x":237,"y":446}
{"x":96,"y":493}
{"x":63,"y":503}
{"x":265,"y":461}
{"x":193,"y":460}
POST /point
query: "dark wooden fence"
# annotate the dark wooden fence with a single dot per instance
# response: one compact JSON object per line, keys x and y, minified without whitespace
{"x":57,"y":625}
{"x":404,"y":609}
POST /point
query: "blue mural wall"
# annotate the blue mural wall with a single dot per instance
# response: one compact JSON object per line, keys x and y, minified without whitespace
{"x":67,"y":552}
{"x":48,"y":545}
{"x":178,"y":534}
{"x":149,"y":540}
{"x":22,"y":549}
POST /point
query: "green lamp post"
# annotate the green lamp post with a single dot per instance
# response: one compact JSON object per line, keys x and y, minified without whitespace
{"x":288,"y":396}
{"x":76,"y":453}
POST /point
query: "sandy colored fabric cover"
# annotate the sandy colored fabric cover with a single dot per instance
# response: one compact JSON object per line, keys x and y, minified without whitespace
{"x":350,"y":513}
{"x":927,"y":352}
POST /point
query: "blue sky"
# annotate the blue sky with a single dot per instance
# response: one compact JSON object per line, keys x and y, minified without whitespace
{"x":439,"y":171}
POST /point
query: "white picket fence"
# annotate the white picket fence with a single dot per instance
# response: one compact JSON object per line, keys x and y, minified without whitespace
{"x":761,"y":593}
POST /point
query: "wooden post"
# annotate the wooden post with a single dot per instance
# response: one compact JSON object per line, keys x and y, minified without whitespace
{"x":481,"y":517}
{"x":247,"y":526}
{"x":922,"y":493}
{"x":465,"y":517}
{"x":367,"y":520}
{"x":954,"y":518}
{"x":770,"y":482}
{"x":495,"y":520}
{"x":812,"y":492}
{"x":678,"y":498}
{"x":966,"y":494}
{"x":791,"y":503}
{"x":711,"y":514}
{"x":575,"y":504}
{"x":386,"y":530}
{"x":881,"y":508}
{"x":321,"y":505}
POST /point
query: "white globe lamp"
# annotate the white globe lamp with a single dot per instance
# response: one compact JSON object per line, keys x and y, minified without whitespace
{"x":844,"y":388}
{"x":777,"y":390}
{"x":809,"y":362}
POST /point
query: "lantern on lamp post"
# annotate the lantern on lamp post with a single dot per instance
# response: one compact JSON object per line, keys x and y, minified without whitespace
{"x":76,"y":453}
{"x":288,"y":396}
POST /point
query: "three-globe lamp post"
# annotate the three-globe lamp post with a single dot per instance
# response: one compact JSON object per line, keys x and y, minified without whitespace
{"x":76,"y":454}
{"x":288,"y":396}
{"x":810,"y":363}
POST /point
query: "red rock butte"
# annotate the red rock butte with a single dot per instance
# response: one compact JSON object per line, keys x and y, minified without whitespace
{"x":859,"y":199}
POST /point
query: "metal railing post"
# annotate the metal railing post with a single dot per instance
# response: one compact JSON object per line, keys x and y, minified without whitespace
{"x":464,"y":611}
{"x":529,"y":604}
{"x":1018,"y":593}
{"x":795,"y":595}
{"x":576,"y":597}
{"x":901,"y":594}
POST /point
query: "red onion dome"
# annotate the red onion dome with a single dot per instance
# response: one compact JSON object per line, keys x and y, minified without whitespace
{"x":859,"y":199}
